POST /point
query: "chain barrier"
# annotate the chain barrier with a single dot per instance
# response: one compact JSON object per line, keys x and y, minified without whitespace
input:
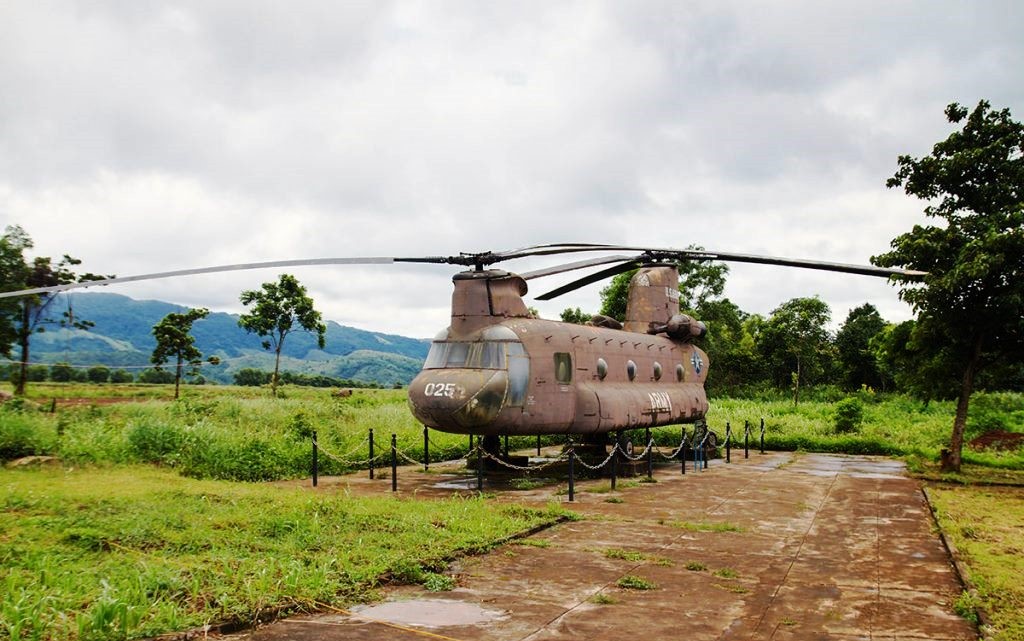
{"x":344,"y":461}
{"x":522,"y":468}
{"x":675,"y":453}
{"x":602,"y":464}
{"x":642,"y":455}
{"x":407,"y":457}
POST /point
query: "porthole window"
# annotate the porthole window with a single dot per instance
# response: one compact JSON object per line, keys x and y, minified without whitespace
{"x":631,"y":370}
{"x":657,"y":371}
{"x":680,"y":373}
{"x":602,"y":368}
{"x":563,"y":368}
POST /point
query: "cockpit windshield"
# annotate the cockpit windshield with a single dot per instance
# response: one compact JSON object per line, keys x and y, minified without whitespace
{"x":478,"y":355}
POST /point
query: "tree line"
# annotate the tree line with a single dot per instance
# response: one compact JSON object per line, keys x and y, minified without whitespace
{"x":277,"y":309}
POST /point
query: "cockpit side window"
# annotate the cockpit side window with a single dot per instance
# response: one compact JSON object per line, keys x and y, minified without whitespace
{"x":478,"y":355}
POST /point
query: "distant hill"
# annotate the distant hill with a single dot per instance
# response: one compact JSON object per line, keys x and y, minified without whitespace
{"x":123,"y":337}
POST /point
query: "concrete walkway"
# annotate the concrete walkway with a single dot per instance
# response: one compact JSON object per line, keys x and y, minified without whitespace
{"x":778,"y":546}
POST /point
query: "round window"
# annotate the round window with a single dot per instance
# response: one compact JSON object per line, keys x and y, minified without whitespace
{"x":657,"y":371}
{"x":602,"y":368}
{"x":631,"y":370}
{"x":680,"y":373}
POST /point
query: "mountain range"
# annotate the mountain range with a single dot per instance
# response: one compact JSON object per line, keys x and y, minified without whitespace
{"x":122,"y":337}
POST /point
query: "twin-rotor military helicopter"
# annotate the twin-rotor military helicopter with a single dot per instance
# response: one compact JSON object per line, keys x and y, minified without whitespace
{"x":498,"y":370}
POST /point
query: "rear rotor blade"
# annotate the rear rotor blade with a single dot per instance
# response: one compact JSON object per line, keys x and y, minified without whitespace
{"x":864,"y":270}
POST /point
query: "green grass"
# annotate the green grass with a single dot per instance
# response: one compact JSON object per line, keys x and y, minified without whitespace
{"x":240,"y":433}
{"x":132,"y":551}
{"x":986,"y":526}
{"x":633,"y":582}
{"x":703,"y":526}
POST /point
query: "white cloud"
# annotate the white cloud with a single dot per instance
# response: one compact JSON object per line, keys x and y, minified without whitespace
{"x":144,"y":137}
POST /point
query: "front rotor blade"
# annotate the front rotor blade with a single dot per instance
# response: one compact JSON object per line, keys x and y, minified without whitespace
{"x":218,"y":269}
{"x":568,"y":267}
{"x":592,"y":278}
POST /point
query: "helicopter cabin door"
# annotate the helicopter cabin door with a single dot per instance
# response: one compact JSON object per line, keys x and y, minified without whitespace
{"x":555,"y":399}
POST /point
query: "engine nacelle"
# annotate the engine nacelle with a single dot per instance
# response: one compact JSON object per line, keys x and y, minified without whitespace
{"x":681,"y":328}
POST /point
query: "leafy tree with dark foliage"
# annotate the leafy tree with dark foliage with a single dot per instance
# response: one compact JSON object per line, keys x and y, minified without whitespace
{"x":857,"y":361}
{"x":972,"y":300}
{"x":280,"y":308}
{"x":29,"y":315}
{"x":174,"y":341}
{"x":795,"y":343}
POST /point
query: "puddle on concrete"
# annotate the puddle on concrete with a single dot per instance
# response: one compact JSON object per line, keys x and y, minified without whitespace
{"x":430,"y":613}
{"x":467,"y":483}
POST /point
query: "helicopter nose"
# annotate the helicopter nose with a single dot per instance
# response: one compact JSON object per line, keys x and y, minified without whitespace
{"x":456,"y":400}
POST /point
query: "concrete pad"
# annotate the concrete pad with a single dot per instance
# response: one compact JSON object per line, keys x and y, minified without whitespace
{"x":778,"y":546}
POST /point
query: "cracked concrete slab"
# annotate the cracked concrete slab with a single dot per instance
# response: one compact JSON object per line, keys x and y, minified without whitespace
{"x":778,"y":546}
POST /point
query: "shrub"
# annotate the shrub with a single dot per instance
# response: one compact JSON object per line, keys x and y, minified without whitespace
{"x":98,"y":374}
{"x":22,"y":435}
{"x":155,"y":441}
{"x":121,"y":376}
{"x":61,"y":373}
{"x":849,"y":415}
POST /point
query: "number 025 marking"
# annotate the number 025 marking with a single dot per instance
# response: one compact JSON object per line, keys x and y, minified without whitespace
{"x":439,"y":389}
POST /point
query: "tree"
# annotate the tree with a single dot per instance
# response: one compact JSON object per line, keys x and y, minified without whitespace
{"x":730,"y":346}
{"x":971,"y":303}
{"x":795,"y":342}
{"x":857,"y":362}
{"x":30,"y":314}
{"x":251,"y":377}
{"x":699,"y":283}
{"x":61,"y":373}
{"x":174,"y":341}
{"x":98,"y":374}
{"x":279,"y":308}
{"x":575,"y":315}
{"x":121,"y":376}
{"x":155,"y":377}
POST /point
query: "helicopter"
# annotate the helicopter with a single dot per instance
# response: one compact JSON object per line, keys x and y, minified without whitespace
{"x":497,"y":370}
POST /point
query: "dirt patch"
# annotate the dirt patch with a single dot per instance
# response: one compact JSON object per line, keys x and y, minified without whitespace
{"x":998,"y":440}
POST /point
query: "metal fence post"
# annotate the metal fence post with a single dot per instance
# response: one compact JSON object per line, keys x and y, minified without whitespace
{"x":728,"y":444}
{"x":394,"y":463}
{"x":371,"y":453}
{"x":479,"y":467}
{"x":682,"y":451}
{"x":426,"y":450}
{"x":572,"y":457}
{"x":615,"y":459}
{"x":746,"y":439}
{"x":538,"y":445}
{"x":506,"y":447}
{"x":762,"y":436}
{"x":315,"y":468}
{"x":650,"y":453}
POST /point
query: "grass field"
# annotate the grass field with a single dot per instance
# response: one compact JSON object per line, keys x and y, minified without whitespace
{"x":134,"y":551}
{"x":985,"y":524}
{"x":132,"y":534}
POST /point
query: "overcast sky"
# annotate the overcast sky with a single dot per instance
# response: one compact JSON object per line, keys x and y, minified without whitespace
{"x":147,"y":136}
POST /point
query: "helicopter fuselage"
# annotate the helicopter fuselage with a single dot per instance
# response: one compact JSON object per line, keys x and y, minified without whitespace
{"x":498,"y":370}
{"x":532,"y":376}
